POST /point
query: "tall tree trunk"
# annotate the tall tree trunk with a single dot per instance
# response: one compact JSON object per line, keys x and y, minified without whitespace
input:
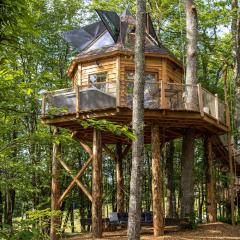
{"x":81,"y":197}
{"x":97,"y":187}
{"x":187,"y":180}
{"x":9,"y":206}
{"x":187,"y":176}
{"x":236,"y":54}
{"x":211,"y":204}
{"x":55,"y":220}
{"x":138,"y":126}
{"x":171,"y":212}
{"x":119,"y":177}
{"x":113,"y":198}
{"x":149,"y":176}
{"x":191,"y":35}
{"x":157,"y":182}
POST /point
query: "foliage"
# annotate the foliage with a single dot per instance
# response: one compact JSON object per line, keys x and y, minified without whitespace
{"x":108,"y":125}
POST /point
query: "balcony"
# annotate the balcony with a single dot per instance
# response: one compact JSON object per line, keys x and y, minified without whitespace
{"x":157,"y":96}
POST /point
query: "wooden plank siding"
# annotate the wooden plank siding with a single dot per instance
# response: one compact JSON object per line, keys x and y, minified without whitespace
{"x":116,"y":67}
{"x":174,"y":73}
{"x":100,"y":66}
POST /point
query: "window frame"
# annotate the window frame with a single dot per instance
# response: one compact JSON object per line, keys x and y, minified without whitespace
{"x":92,"y":85}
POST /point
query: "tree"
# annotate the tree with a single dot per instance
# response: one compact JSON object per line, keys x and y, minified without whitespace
{"x":187,"y":179}
{"x":138,"y":125}
{"x":236,"y":53}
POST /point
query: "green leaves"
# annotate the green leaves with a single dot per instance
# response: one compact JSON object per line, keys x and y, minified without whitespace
{"x":104,"y":125}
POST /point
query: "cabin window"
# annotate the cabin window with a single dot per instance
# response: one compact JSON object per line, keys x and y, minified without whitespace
{"x":151,"y":88}
{"x":98,"y":80}
{"x":150,"y":79}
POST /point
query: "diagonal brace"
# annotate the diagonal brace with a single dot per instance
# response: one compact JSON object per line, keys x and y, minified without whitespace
{"x":75,"y":180}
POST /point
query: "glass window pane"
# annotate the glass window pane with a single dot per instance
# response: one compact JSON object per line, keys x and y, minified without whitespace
{"x":98,"y":80}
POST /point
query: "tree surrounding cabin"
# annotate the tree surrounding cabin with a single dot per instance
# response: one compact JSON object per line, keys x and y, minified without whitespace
{"x":187,"y":176}
{"x":135,"y":198}
{"x":236,"y":57}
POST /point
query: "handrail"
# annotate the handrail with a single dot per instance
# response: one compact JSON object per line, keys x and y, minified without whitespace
{"x":160,"y":95}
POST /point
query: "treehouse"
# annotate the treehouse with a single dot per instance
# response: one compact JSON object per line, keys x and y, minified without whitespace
{"x":102,"y":88}
{"x":102,"y":84}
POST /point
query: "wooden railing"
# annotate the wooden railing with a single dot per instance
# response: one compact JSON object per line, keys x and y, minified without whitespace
{"x":157,"y":95}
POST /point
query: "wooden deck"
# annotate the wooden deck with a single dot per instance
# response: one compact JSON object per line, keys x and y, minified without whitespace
{"x":172,"y":122}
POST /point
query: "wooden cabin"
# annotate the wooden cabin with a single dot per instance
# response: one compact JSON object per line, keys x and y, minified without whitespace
{"x":102,"y":88}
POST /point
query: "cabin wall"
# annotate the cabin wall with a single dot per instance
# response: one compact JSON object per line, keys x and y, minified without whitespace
{"x":116,"y":67}
{"x":108,"y":65}
{"x":152,"y":65}
{"x":166,"y":70}
{"x":174,"y":72}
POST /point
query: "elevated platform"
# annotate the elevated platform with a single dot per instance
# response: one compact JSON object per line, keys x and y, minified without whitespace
{"x":164,"y":104}
{"x":173,"y":123}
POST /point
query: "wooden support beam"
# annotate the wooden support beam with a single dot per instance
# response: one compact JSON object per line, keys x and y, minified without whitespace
{"x":118,"y":82}
{"x":119,"y":176}
{"x":55,"y":206}
{"x":200,"y":99}
{"x":77,"y":90}
{"x":211,"y":204}
{"x":157,"y":182}
{"x":79,"y":174}
{"x":75,"y":180}
{"x":163,"y":102}
{"x":216,"y":107}
{"x":86,"y":148}
{"x":97,"y":185}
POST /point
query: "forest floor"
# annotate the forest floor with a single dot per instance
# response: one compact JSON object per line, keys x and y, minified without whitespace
{"x":203,"y":231}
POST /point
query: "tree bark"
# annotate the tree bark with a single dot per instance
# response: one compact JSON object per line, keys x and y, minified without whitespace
{"x":55,"y":220}
{"x":138,"y":126}
{"x":236,"y":55}
{"x":97,"y":185}
{"x":157,"y":183}
{"x":211,"y":205}
{"x":187,"y":176}
{"x":187,"y":179}
{"x":191,"y":35}
{"x":9,"y":206}
{"x":191,"y":58}
{"x":171,"y":212}
{"x":120,"y":179}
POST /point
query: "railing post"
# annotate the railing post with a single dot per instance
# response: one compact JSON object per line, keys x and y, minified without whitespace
{"x":77,"y":90}
{"x":163,"y":97}
{"x":200,"y":99}
{"x":118,"y":84}
{"x":44,"y":104}
{"x":216,"y":107}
